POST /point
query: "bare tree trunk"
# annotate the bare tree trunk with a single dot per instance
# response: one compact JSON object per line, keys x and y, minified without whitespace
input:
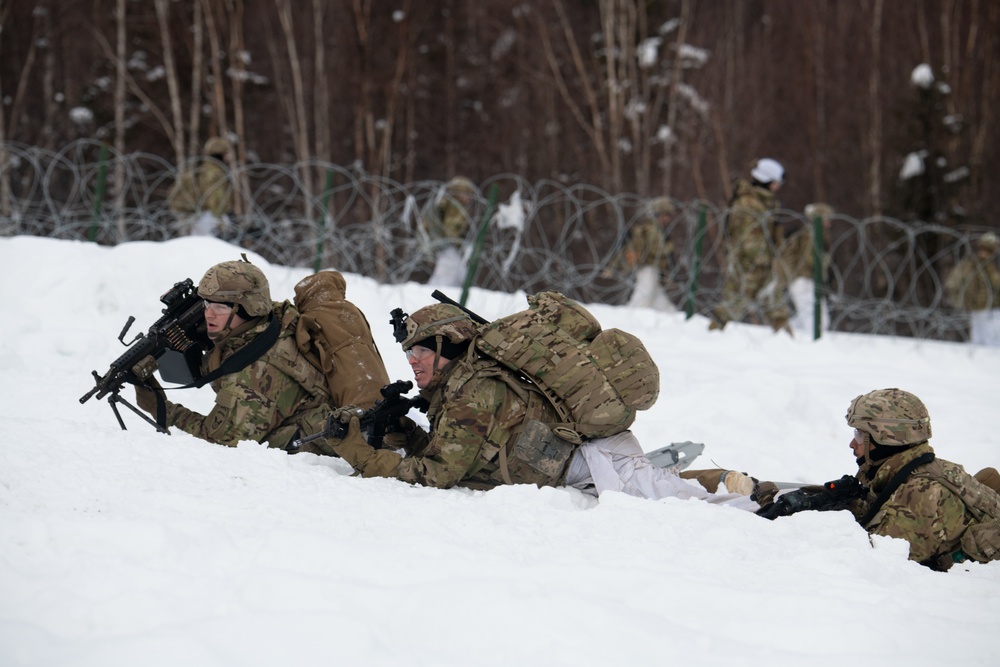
{"x":197,"y":69}
{"x":875,"y":109}
{"x":321,"y":87}
{"x":241,"y":183}
{"x":300,"y":126}
{"x":817,"y":115}
{"x":672,"y":103}
{"x":220,"y":124}
{"x":170,"y":68}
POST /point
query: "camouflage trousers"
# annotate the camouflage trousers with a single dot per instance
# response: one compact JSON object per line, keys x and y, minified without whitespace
{"x":752,"y":294}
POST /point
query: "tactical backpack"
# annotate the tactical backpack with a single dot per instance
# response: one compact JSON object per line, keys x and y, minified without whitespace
{"x":595,"y":379}
{"x":981,"y":540}
{"x":333,"y":334}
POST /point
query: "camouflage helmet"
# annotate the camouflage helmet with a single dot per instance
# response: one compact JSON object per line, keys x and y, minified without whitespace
{"x":460,"y":185}
{"x":892,"y":417}
{"x":217,"y":146}
{"x":818,"y":210}
{"x":988,"y":242}
{"x":661,"y":206}
{"x":238,"y":282}
{"x":441,"y":319}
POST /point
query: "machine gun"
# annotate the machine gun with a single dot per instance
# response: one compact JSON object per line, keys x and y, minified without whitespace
{"x":378,"y":420}
{"x":174,"y":344}
{"x":829,"y":497}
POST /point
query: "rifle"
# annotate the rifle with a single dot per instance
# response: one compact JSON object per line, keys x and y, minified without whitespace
{"x":381,"y":418}
{"x":175,"y":343}
{"x":829,"y":497}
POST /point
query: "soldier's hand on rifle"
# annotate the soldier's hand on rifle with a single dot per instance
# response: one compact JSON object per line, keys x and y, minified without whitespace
{"x":364,"y":458}
{"x":399,"y":436}
{"x":145,"y":396}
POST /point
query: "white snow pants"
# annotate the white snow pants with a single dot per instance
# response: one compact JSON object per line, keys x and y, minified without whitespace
{"x":649,"y":293}
{"x":985,"y":327}
{"x":449,"y":268}
{"x":617,"y":463}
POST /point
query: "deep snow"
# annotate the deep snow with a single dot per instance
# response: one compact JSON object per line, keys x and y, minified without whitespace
{"x":135,"y":548}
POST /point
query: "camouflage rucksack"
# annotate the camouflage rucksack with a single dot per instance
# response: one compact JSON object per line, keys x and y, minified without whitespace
{"x":981,"y":540}
{"x":595,"y":379}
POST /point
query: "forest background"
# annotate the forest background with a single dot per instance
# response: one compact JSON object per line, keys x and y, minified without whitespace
{"x":674,"y":97}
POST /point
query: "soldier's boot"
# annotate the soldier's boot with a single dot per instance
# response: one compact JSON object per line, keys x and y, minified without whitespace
{"x":990,"y":477}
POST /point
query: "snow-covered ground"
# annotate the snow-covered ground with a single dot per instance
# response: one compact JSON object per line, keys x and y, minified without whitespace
{"x":135,"y":548}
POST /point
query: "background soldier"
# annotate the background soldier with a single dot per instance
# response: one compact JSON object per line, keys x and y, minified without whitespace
{"x":752,"y":236}
{"x":202,"y":196}
{"x":649,"y":254}
{"x":447,"y":225}
{"x":974,"y":285}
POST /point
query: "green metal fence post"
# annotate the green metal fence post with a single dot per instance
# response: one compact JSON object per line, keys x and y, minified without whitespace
{"x":321,"y":225}
{"x":819,"y":282}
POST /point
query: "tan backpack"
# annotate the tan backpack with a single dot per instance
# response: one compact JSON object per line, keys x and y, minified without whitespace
{"x":333,"y":334}
{"x":595,"y":379}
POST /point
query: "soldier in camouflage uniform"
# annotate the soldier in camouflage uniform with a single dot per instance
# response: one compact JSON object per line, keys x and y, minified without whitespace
{"x":974,"y":285}
{"x":752,"y":236}
{"x":648,"y":253}
{"x":482,"y":429}
{"x":447,"y":225}
{"x":277,"y":396}
{"x":202,"y":197}
{"x":927,"y":508}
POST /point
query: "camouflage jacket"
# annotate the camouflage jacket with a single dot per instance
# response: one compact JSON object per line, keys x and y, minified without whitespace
{"x":205,"y":188}
{"x":647,"y":245}
{"x":447,"y":221}
{"x":476,"y":409}
{"x":275,"y":397}
{"x":798,"y":255}
{"x":751,"y":230}
{"x":921,"y":511}
{"x":974,"y":285}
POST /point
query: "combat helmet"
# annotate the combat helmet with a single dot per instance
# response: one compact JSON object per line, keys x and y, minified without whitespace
{"x":892,"y":417}
{"x":818,"y":210}
{"x":217,"y":146}
{"x":460,"y":185}
{"x":240,"y":283}
{"x":449,"y":322}
{"x":988,"y":242}
{"x":661,"y":206}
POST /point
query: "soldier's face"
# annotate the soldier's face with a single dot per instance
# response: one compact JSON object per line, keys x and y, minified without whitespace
{"x":421,"y":362}
{"x":219,"y":316}
{"x":858,"y":444}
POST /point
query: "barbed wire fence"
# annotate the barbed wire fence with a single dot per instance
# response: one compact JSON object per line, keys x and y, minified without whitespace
{"x":884,"y":275}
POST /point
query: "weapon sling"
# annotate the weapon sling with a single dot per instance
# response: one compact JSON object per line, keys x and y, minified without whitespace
{"x":242,"y":358}
{"x":894,"y":484}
